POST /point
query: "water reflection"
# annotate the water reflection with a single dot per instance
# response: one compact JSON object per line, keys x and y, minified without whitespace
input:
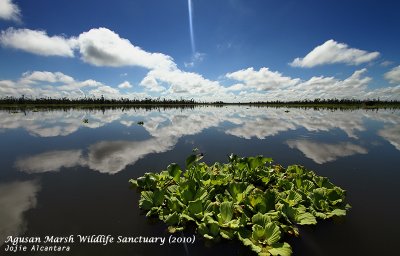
{"x":167,"y":127}
{"x":15,"y":199}
{"x":391,"y":134}
{"x":50,"y":161}
{"x":325,"y":152}
{"x":113,"y":140}
{"x":113,"y":156}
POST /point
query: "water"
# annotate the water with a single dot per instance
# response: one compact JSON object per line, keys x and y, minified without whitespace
{"x":60,"y":176}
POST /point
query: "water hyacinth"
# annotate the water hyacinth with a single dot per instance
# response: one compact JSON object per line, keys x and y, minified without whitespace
{"x":248,"y":199}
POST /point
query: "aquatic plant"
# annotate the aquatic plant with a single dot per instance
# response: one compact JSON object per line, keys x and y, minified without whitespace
{"x":248,"y":199}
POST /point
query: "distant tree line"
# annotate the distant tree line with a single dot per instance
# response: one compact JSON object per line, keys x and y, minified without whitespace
{"x":95,"y":101}
{"x":160,"y":102}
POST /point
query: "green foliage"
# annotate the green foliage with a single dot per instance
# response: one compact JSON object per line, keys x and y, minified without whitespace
{"x":248,"y":199}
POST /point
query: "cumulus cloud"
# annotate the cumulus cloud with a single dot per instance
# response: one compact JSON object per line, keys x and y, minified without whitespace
{"x":9,"y":11}
{"x":150,"y":83}
{"x":332,"y":52}
{"x":125,"y":85}
{"x":57,"y":85}
{"x":283,"y":88}
{"x":393,"y":76}
{"x":325,"y":152}
{"x":260,"y":80}
{"x":103,"y":47}
{"x":98,"y":46}
{"x":37,"y":42}
{"x":45,"y":76}
{"x":180,"y":82}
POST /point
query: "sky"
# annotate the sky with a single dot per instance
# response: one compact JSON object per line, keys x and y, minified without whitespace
{"x":207,"y":50}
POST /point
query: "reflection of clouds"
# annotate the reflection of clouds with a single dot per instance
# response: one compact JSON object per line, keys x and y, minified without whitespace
{"x":262,"y":123}
{"x":391,"y":134}
{"x":113,"y":156}
{"x":50,"y":161}
{"x":261,"y":128}
{"x":56,"y":123}
{"x":249,"y":121}
{"x":15,"y":199}
{"x":168,"y":126}
{"x":325,"y":152}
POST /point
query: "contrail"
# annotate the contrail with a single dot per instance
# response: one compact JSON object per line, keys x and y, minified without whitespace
{"x":191,"y":26}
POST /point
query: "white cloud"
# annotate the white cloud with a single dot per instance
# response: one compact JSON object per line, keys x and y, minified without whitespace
{"x":261,"y":80}
{"x":151,"y":84}
{"x":325,"y":152}
{"x":39,"y":84}
{"x":103,"y":47}
{"x":98,"y":46}
{"x":45,"y":76}
{"x":180,"y":82}
{"x":333,"y":52}
{"x":125,"y":85}
{"x":284,"y":88}
{"x":37,"y":42}
{"x":386,"y":63}
{"x":9,"y":11}
{"x":393,"y":76}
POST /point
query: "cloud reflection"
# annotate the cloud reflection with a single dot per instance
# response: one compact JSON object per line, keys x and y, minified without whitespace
{"x":113,"y":156}
{"x":15,"y":199}
{"x":391,"y":134}
{"x":165,"y":128}
{"x":325,"y":152}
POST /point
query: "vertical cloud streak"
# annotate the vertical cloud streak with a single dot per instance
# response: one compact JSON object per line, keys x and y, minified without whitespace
{"x":190,"y":8}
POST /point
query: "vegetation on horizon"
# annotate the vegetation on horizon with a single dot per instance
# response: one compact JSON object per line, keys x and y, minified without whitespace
{"x":14,"y":101}
{"x":248,"y":199}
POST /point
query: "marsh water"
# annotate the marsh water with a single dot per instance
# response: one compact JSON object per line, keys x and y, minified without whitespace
{"x":63,"y":175}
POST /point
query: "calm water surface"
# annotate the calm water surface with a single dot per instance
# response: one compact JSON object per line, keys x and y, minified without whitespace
{"x":60,"y":176}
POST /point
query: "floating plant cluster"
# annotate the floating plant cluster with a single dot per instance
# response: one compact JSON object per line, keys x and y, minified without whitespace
{"x":248,"y":199}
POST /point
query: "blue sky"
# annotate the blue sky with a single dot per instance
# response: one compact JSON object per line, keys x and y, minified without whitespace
{"x":245,"y":50}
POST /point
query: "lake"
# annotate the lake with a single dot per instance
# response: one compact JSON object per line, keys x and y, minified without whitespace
{"x":63,"y":176}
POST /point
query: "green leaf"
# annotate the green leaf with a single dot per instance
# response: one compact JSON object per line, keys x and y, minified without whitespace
{"x":172,"y":219}
{"x":187,"y":195}
{"x":272,"y":232}
{"x":258,"y":161}
{"x":193,"y":159}
{"x":226,"y":212}
{"x":305,"y":218}
{"x":227,"y":234}
{"x":282,"y":249}
{"x":260,"y":219}
{"x":190,"y":160}
{"x":146,"y":200}
{"x":158,"y":197}
{"x":195,"y":207}
{"x":174,"y":171}
{"x":258,"y":233}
